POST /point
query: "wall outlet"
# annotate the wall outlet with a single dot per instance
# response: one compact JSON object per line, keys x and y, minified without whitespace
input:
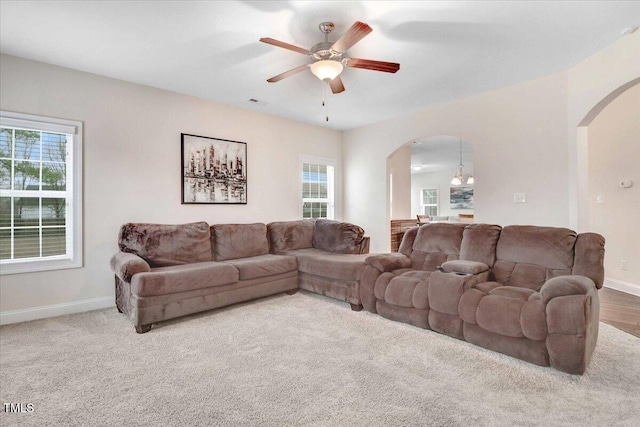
{"x":623,"y":265}
{"x":627,"y":183}
{"x":519,"y":198}
{"x":600,"y":199}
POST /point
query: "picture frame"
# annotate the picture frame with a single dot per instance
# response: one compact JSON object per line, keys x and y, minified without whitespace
{"x":461,"y":198}
{"x":213,"y":170}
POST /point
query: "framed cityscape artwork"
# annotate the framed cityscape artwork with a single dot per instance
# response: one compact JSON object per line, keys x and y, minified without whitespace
{"x":213,"y":170}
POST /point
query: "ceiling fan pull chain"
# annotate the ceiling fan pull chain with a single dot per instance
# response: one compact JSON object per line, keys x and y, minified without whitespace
{"x":324,"y":86}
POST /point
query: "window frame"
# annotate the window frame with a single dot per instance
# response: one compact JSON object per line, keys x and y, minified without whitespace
{"x":73,"y":192}
{"x":331,"y":185}
{"x":423,"y":205}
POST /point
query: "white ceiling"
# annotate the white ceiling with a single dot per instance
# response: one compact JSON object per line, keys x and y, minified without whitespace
{"x":441,"y":153}
{"x":447,"y":49}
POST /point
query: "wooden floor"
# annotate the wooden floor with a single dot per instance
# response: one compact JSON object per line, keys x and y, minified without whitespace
{"x":621,"y":310}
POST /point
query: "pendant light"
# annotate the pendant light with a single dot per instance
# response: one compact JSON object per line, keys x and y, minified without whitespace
{"x":458,"y":178}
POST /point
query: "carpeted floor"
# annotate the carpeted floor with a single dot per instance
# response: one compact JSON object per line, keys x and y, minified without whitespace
{"x":296,"y":360}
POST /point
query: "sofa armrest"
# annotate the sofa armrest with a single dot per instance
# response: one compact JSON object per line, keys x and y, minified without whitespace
{"x":388,"y":262}
{"x":364,"y":245}
{"x":572,"y":310}
{"x":566,"y":285}
{"x":125,"y":265}
{"x":464,"y":267}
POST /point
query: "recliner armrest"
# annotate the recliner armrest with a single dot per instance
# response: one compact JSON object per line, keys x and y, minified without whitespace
{"x":464,"y":267}
{"x":125,"y":265}
{"x":388,"y":262}
{"x":566,"y":285}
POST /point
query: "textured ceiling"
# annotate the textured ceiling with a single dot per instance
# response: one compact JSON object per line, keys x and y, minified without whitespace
{"x":447,"y":49}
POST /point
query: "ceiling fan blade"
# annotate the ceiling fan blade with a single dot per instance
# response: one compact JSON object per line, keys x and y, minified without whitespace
{"x":368,"y":64}
{"x":284,"y":45}
{"x":336,"y":85}
{"x":353,"y":35}
{"x":288,"y":73}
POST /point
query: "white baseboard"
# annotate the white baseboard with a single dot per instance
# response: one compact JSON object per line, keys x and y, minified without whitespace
{"x":16,"y":316}
{"x":619,"y":285}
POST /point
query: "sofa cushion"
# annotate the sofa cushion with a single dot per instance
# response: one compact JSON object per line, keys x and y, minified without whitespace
{"x":289,"y":235}
{"x":479,"y":243}
{"x":549,"y":247}
{"x":232,"y":241}
{"x":263,"y":266}
{"x":435,"y":244}
{"x":527,"y":256}
{"x":328,"y":264}
{"x":181,"y":278}
{"x":162,"y":245}
{"x":409,"y":290}
{"x":510,"y":311}
{"x":335,"y":236}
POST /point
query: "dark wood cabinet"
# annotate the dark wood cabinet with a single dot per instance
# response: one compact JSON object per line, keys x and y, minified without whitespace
{"x":398,"y":228}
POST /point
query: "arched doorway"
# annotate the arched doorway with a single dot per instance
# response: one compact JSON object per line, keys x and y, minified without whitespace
{"x":420,"y":182}
{"x":608,"y":182}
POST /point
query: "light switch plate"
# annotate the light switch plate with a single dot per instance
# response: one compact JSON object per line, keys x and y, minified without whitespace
{"x":600,"y":199}
{"x":519,"y":198}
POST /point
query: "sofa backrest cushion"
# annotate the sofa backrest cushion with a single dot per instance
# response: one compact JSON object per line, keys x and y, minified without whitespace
{"x":335,"y":236}
{"x":528,"y":256}
{"x":435,"y":244}
{"x":479,"y":243}
{"x":589,"y":257}
{"x":162,"y":245}
{"x":290,"y":235}
{"x":233,"y":241}
{"x":406,"y":245}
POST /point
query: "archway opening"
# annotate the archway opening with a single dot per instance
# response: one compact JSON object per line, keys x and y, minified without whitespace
{"x":432,"y":177}
{"x":608,"y":175}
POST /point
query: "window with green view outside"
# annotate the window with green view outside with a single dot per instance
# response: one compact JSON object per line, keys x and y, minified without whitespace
{"x":36,"y":195}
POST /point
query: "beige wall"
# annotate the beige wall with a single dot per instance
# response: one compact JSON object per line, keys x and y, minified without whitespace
{"x":132,"y":165}
{"x":614,"y":155}
{"x":399,"y":171}
{"x":523,"y":121}
{"x":524,"y":142}
{"x":590,"y":84}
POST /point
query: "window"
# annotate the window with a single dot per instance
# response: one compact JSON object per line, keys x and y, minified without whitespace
{"x":429,"y":201}
{"x":318,"y":188}
{"x":40,"y":193}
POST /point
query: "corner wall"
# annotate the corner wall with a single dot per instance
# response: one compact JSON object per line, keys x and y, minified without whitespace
{"x":132,"y":170}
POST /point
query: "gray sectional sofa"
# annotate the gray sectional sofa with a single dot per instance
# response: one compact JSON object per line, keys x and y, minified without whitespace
{"x":526,"y":291}
{"x":167,"y":271}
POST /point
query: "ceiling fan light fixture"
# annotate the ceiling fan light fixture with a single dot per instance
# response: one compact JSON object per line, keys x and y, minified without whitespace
{"x":327,"y":69}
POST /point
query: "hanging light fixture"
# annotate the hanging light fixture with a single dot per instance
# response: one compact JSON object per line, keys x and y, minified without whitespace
{"x":327,"y":69}
{"x":458,"y":178}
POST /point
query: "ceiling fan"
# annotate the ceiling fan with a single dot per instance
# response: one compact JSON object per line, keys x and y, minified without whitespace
{"x":328,"y":58}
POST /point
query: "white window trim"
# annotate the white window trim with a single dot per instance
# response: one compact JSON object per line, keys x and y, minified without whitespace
{"x":74,"y":168}
{"x":331,"y":186}
{"x":423,"y":205}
